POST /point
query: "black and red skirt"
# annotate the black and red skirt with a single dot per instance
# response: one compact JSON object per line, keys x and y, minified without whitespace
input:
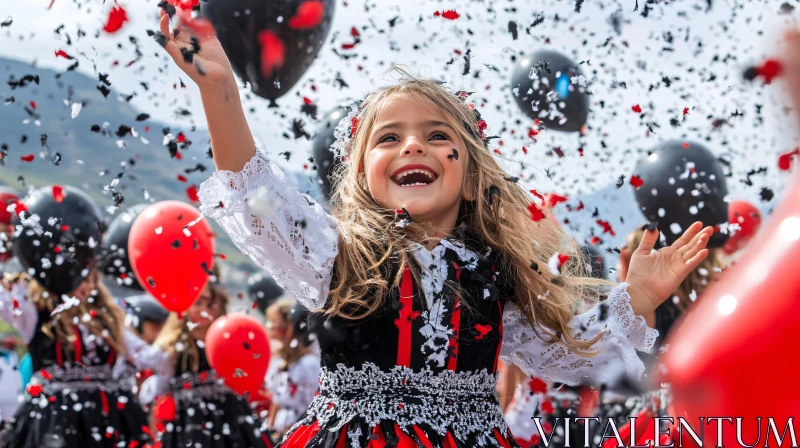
{"x":369,"y":407}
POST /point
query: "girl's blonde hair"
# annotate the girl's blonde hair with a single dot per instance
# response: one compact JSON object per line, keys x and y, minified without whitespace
{"x":373,"y":251}
{"x":176,"y":337}
{"x":697,"y":280}
{"x":107,"y":322}
{"x":287,"y":353}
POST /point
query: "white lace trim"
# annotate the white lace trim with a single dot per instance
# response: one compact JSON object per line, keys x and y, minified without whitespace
{"x":616,"y":350}
{"x":283,"y":231}
{"x":462,"y":402}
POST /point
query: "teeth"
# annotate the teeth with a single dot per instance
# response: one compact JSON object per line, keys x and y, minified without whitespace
{"x":414,"y":184}
{"x":427,"y":173}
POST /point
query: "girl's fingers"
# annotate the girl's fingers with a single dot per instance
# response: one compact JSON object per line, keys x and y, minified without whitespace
{"x":172,"y":47}
{"x":705,"y":234}
{"x":687,"y":236}
{"x":699,"y":245}
{"x":695,"y":261}
{"x":648,"y":242}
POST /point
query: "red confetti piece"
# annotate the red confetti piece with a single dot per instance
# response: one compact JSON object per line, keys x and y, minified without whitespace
{"x":308,"y":15}
{"x":32,"y":104}
{"x":28,"y":158}
{"x":181,"y":138}
{"x":785,"y":160}
{"x":770,"y":70}
{"x":58,"y":193}
{"x":562,"y":258}
{"x":354,"y":32}
{"x":595,"y":240}
{"x":685,"y":145}
{"x":191,"y":192}
{"x":580,"y":206}
{"x":636,"y":181}
{"x":273,"y":52}
{"x":636,"y":108}
{"x":450,"y":14}
{"x":178,"y":156}
{"x":34,"y":389}
{"x":307,"y":101}
{"x":437,"y":14}
{"x":537,"y":386}
{"x":606,"y":227}
{"x":46,"y":375}
{"x":685,"y":111}
{"x":63,"y":54}
{"x":553,"y":199}
{"x":116,"y":18}
{"x":536,"y":214}
{"x":547,"y":407}
{"x":182,"y":178}
{"x":20,"y":207}
{"x":533,"y":132}
{"x":482,"y":330}
{"x":524,"y":150}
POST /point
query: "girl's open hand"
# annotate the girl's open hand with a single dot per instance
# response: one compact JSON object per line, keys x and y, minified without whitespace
{"x":791,"y":66}
{"x":209,"y":67}
{"x":653,"y":276}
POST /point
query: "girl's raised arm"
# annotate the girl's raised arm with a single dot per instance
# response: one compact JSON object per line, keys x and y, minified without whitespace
{"x":283,"y":231}
{"x":231,"y":140}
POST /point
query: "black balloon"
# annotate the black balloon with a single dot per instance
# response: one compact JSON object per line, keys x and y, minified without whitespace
{"x":597,"y":263}
{"x":263,"y":291}
{"x":57,"y":242}
{"x":114,"y":259}
{"x":323,"y":156}
{"x":683,"y":183}
{"x":239,"y":24}
{"x":544,"y":90}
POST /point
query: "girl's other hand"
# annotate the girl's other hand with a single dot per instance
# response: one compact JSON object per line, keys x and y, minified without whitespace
{"x":654,"y":275}
{"x":791,"y":66}
{"x":209,"y":67}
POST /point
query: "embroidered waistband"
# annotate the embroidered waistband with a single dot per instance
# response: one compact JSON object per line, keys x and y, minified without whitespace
{"x":203,"y":385}
{"x":55,"y":379}
{"x":463,"y":403}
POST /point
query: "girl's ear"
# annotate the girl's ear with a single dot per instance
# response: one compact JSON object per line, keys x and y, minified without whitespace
{"x":467,"y":193}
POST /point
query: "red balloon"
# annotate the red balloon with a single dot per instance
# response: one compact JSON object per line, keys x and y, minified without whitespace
{"x":171,"y":254}
{"x":238,"y":349}
{"x":734,"y":354}
{"x":7,"y":196}
{"x":748,"y":217}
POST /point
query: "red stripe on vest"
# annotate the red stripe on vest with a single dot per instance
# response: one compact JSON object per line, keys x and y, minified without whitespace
{"x":455,"y":322}
{"x":104,"y":401}
{"x":59,"y":354}
{"x":77,"y":344}
{"x":499,"y":330}
{"x":404,"y":324}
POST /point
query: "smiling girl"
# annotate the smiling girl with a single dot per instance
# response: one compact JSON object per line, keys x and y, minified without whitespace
{"x":430,"y":270}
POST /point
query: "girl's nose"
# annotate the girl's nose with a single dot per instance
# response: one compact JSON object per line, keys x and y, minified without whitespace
{"x":414,"y":147}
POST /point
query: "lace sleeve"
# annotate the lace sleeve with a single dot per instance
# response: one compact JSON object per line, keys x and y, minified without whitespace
{"x":283,"y":231}
{"x":615,"y":351}
{"x":18,"y":311}
{"x":151,"y":357}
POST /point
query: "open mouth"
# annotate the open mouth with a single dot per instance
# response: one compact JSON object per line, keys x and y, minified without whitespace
{"x":414,"y":177}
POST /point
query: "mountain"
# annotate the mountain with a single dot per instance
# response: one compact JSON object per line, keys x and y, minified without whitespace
{"x":107,"y":139}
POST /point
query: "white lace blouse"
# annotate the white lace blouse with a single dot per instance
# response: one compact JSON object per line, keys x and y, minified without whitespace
{"x":292,"y":237}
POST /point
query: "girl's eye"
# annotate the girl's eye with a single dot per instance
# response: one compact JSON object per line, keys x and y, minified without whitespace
{"x":388,"y":138}
{"x":440,"y":136}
